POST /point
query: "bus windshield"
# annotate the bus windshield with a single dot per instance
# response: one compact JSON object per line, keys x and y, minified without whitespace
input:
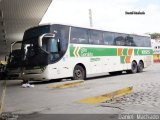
{"x":52,"y":48}
{"x":50,"y":44}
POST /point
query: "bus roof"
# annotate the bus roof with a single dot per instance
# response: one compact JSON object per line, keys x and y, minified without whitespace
{"x":92,"y":28}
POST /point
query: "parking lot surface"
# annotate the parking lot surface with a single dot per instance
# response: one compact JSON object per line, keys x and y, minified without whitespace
{"x":43,"y":99}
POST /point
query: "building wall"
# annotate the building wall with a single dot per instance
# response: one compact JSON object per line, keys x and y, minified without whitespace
{"x":156,"y":50}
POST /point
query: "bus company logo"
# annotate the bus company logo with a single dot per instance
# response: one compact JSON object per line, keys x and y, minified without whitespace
{"x":85,"y":53}
{"x":146,"y":52}
{"x":82,"y":52}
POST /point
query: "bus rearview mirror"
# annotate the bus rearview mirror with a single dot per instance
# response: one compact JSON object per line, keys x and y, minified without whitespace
{"x":40,"y":41}
{"x":44,"y":35}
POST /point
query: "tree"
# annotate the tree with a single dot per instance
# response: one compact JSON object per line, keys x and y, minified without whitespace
{"x":155,"y":35}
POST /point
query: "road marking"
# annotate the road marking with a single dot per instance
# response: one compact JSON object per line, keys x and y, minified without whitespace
{"x":108,"y":96}
{"x":67,"y":85}
{"x":2,"y":97}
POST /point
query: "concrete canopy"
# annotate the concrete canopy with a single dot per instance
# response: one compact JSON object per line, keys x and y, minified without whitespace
{"x":16,"y":16}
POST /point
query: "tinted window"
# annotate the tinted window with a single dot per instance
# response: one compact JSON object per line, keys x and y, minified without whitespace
{"x":129,"y":41}
{"x":85,"y":36}
{"x":62,"y":34}
{"x":79,"y":35}
{"x":96,"y":37}
{"x":119,"y":39}
{"x":108,"y":38}
{"x":35,"y":32}
{"x":147,"y":42}
{"x":138,"y":41}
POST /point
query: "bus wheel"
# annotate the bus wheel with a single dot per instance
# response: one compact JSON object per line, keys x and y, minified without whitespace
{"x":78,"y":73}
{"x":134,"y":68}
{"x":140,"y":66}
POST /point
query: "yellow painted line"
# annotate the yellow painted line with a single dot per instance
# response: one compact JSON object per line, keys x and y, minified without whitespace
{"x":108,"y":96}
{"x":2,"y":97}
{"x":67,"y":85}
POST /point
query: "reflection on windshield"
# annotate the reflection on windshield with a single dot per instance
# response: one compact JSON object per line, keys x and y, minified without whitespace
{"x":53,"y":45}
{"x":35,"y":55}
{"x":28,"y":50}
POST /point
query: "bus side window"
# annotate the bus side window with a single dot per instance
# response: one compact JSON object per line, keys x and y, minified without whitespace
{"x":108,"y":38}
{"x":147,"y":42}
{"x":79,"y":35}
{"x":96,"y":37}
{"x":119,"y":39}
{"x":64,"y":38}
{"x":129,"y":41}
{"x":138,"y":41}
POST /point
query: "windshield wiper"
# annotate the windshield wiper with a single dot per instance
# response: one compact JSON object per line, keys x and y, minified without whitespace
{"x":44,"y":50}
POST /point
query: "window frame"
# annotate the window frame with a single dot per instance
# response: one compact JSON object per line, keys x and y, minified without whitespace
{"x":71,"y":34}
{"x":112,"y":36}
{"x":100,"y":35}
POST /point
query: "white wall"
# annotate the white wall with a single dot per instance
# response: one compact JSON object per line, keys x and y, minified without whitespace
{"x":155,"y":46}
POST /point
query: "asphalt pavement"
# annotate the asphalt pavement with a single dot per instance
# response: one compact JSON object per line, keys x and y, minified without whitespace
{"x":145,"y":98}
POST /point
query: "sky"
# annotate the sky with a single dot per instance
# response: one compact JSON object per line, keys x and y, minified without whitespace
{"x":106,"y":14}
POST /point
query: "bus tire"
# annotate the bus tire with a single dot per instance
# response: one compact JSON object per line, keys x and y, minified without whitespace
{"x":134,"y":68}
{"x":79,"y":73}
{"x":140,"y":66}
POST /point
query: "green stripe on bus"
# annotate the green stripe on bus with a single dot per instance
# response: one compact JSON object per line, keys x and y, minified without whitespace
{"x":143,"y":52}
{"x":85,"y":52}
{"x":125,"y":51}
{"x":135,"y":51}
{"x":89,"y":51}
{"x":93,"y":51}
{"x":72,"y":51}
{"x":122,"y":58}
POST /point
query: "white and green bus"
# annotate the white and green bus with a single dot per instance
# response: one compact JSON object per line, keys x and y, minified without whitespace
{"x":62,"y":51}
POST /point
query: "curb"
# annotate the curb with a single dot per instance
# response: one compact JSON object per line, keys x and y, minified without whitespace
{"x":2,"y":97}
{"x":67,"y":85}
{"x":108,"y":96}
